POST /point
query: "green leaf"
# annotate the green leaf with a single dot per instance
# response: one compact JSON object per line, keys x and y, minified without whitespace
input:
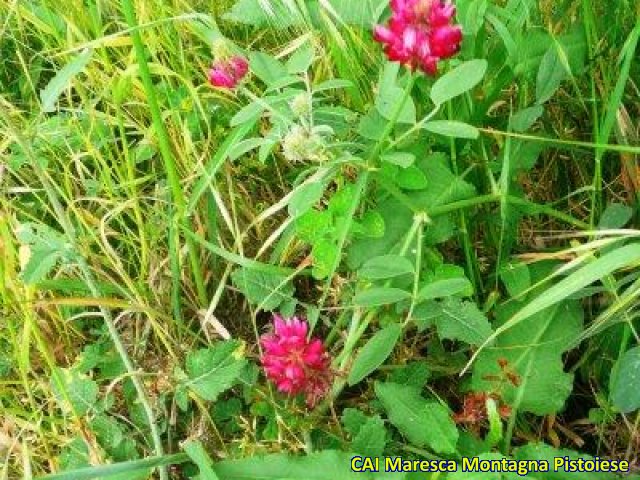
{"x":313,"y":225}
{"x":266,"y":67}
{"x":324,"y":253}
{"x":402,"y":159}
{"x":304,"y":198}
{"x":458,"y":81}
{"x":423,"y":423}
{"x":625,"y":384}
{"x":460,"y":320}
{"x":74,"y":391}
{"x":268,"y":290}
{"x":108,"y":431}
{"x":387,"y":103}
{"x":550,"y":75}
{"x":323,"y":465}
{"x":374,"y":353}
{"x":353,"y":420}
{"x":380,"y":296}
{"x":452,"y":128}
{"x":46,"y":248}
{"x":201,"y":458}
{"x":301,"y":59}
{"x":414,"y":374}
{"x":385,"y":266}
{"x":616,"y":215}
{"x":371,"y":438}
{"x":411,"y":178}
{"x":213,"y":370}
{"x":446,"y":287}
{"x":516,"y":278}
{"x":533,"y":349}
{"x":373,"y":224}
{"x":543,"y":452}
{"x":523,"y":120}
{"x":49,"y":95}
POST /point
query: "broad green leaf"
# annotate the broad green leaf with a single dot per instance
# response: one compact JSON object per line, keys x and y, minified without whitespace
{"x":305,"y":197}
{"x":372,"y":224}
{"x":516,"y":278}
{"x":266,"y":67}
{"x":201,"y":458}
{"x":402,"y":159}
{"x":323,"y":465}
{"x":46,"y":248}
{"x":353,"y":420}
{"x":301,"y":59}
{"x":524,"y":119}
{"x":625,"y":383}
{"x":458,"y":81}
{"x":250,"y":112}
{"x":543,"y":452}
{"x":414,"y":374}
{"x":267,"y":290}
{"x":371,"y":438}
{"x":74,"y":391}
{"x":380,"y":296}
{"x":49,"y":95}
{"x":213,"y":370}
{"x":411,"y":178}
{"x":313,"y":225}
{"x":550,"y":75}
{"x":324,"y":253}
{"x":452,"y":128}
{"x":385,"y":266}
{"x":374,"y":353}
{"x":41,"y":262}
{"x":533,"y":349}
{"x":423,"y":423}
{"x":388,"y":101}
{"x":108,"y":431}
{"x":446,"y":287}
{"x":461,"y":320}
{"x":616,"y":215}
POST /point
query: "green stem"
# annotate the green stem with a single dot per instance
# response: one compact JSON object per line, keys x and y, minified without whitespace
{"x":164,"y":144}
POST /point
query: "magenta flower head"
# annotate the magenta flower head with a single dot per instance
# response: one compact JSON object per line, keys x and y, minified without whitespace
{"x":227,"y":73}
{"x":420,"y":33}
{"x":295,"y":364}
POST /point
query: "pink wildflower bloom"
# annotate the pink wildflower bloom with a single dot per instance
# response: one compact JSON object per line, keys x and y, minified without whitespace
{"x":228,"y":73}
{"x":420,"y":33}
{"x":295,"y":364}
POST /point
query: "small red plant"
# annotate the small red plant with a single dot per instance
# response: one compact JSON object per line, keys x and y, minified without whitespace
{"x":227,"y":73}
{"x":295,"y":364}
{"x":420,"y":33}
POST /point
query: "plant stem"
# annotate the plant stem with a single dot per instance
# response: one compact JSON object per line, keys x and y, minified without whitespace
{"x":164,"y":144}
